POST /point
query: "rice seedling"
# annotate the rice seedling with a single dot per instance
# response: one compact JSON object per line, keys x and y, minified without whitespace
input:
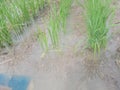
{"x":36,"y":5}
{"x":4,"y":33}
{"x":58,"y":20}
{"x":64,"y":10}
{"x":97,"y":16}
{"x":53,"y":28}
{"x":43,"y":39}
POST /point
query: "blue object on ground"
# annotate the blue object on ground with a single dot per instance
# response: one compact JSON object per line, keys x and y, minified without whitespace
{"x":16,"y":82}
{"x":19,"y":83}
{"x":4,"y":79}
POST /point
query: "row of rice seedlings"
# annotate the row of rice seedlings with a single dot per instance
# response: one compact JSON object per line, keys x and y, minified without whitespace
{"x":57,"y":21}
{"x":14,"y":15}
{"x":98,"y":18}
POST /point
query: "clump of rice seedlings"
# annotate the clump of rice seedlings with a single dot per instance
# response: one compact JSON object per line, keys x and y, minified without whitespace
{"x":58,"y":20}
{"x":36,"y":5}
{"x":97,"y":18}
{"x":14,"y":15}
{"x":53,"y":28}
{"x":5,"y":37}
{"x":64,"y":10}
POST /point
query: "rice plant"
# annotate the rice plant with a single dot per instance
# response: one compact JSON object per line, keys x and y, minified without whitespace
{"x":43,"y":39}
{"x":5,"y":37}
{"x":58,"y":20}
{"x":53,"y":28}
{"x":14,"y":15}
{"x":97,"y":16}
{"x":64,"y":11}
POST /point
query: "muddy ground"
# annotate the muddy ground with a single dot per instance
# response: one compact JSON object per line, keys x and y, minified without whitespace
{"x":71,"y":68}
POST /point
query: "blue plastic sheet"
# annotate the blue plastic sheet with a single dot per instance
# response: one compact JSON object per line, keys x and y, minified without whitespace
{"x":15,"y":82}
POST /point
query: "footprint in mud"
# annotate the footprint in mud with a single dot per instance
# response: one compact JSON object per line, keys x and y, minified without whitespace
{"x":118,"y":50}
{"x":78,"y":79}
